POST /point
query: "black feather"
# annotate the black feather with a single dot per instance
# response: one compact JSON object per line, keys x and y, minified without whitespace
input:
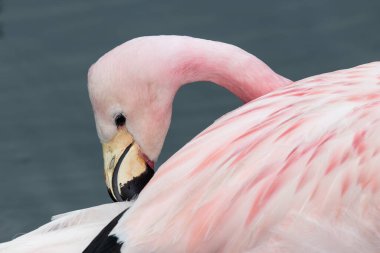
{"x":103,"y":242}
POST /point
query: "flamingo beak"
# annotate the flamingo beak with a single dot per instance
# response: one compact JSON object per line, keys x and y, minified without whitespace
{"x":126,"y":169}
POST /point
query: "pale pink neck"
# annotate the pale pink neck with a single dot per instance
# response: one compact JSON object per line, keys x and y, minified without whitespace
{"x":243,"y":74}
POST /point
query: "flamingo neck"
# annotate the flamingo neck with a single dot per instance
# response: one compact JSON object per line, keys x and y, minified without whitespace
{"x":226,"y":65}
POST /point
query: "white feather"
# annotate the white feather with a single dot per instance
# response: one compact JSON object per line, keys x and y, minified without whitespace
{"x":68,"y":232}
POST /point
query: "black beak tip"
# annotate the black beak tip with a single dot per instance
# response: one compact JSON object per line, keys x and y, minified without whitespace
{"x":111,"y":195}
{"x":132,"y":188}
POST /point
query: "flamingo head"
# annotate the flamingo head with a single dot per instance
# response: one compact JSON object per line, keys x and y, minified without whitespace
{"x":132,"y":88}
{"x":131,"y":95}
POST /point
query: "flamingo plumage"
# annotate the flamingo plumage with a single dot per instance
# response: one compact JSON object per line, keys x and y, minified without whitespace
{"x":295,"y":170}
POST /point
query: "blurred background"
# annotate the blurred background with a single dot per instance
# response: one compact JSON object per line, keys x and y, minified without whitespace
{"x":50,"y":157}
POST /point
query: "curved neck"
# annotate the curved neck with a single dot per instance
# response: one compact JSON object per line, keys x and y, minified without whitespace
{"x":243,"y":74}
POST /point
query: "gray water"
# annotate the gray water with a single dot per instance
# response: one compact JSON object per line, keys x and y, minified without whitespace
{"x":50,"y":158}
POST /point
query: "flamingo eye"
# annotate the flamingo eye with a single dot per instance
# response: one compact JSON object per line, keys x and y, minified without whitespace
{"x":120,"y":120}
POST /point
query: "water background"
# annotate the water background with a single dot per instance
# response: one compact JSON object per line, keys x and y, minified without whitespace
{"x":50,"y":158}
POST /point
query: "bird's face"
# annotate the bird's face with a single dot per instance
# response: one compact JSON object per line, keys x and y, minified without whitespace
{"x":126,"y":168}
{"x":132,"y":119}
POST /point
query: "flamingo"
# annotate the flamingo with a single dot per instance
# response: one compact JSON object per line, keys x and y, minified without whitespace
{"x":295,"y":170}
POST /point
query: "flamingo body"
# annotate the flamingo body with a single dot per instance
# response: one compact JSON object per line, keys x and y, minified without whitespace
{"x":295,"y":169}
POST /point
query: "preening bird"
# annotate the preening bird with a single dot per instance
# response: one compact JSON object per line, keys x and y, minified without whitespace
{"x":295,"y":170}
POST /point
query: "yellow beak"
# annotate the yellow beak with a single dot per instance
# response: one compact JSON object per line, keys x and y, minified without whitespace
{"x":125,"y":168}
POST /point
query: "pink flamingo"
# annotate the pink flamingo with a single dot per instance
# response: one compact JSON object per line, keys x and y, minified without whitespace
{"x":293,"y":171}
